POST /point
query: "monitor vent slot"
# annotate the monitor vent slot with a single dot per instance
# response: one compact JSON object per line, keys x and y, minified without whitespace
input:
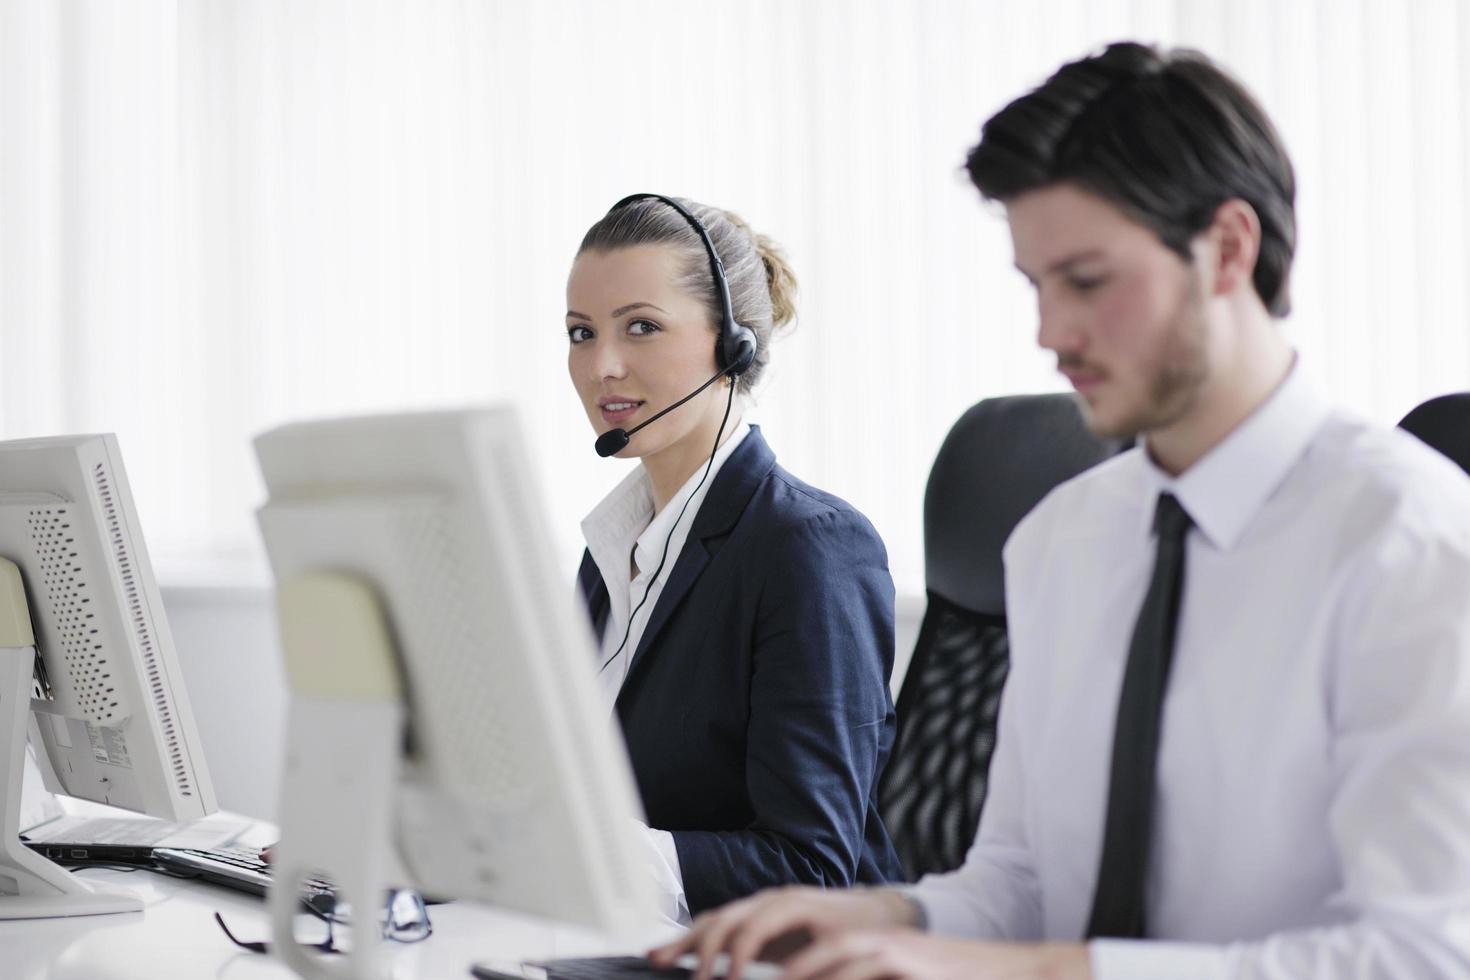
{"x":64,"y":583}
{"x":132,"y":596}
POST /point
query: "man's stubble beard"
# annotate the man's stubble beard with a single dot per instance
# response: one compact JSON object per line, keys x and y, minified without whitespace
{"x":1175,"y":379}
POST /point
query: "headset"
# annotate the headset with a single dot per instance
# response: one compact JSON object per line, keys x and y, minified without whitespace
{"x":734,"y":354}
{"x":734,"y":349}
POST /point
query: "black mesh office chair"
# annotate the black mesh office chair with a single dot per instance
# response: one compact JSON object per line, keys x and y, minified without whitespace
{"x":998,"y":461}
{"x":1443,"y":423}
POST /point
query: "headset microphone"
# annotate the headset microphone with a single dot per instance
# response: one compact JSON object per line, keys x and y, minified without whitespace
{"x":734,"y":350}
{"x":612,"y":441}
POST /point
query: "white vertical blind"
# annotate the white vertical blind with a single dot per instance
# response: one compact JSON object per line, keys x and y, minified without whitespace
{"x":217,"y":215}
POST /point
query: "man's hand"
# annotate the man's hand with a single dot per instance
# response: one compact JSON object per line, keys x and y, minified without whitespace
{"x":906,"y":955}
{"x":775,"y":923}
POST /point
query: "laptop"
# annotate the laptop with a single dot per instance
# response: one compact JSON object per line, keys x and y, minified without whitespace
{"x":69,"y":839}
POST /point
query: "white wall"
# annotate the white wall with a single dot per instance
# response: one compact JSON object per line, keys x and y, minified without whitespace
{"x":223,"y":214}
{"x":225,"y":639}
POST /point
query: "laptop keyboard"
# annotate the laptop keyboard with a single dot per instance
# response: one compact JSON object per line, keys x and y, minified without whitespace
{"x":238,"y":867}
{"x":246,"y":858}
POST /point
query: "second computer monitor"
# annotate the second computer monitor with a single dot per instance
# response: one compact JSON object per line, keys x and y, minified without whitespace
{"x":90,"y":665}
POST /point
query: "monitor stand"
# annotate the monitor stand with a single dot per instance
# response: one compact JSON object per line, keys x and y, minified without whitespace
{"x":344,"y":748}
{"x":31,"y":886}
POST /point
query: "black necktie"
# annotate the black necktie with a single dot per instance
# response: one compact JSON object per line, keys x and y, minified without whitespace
{"x":1118,"y":903}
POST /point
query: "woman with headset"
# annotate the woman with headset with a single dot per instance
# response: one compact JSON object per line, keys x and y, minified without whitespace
{"x":745,"y":618}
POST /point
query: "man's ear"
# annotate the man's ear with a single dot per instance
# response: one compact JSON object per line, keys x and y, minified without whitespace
{"x":1236,"y":236}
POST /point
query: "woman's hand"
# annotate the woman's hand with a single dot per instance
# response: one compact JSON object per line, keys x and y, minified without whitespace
{"x":774,"y":924}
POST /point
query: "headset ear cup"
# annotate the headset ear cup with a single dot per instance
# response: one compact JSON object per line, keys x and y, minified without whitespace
{"x":739,"y":351}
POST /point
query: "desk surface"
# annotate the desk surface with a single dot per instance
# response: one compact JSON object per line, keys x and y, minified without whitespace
{"x":175,"y":936}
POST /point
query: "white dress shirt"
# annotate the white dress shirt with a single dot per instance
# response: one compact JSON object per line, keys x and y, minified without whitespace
{"x":1313,"y":797}
{"x":623,"y":527}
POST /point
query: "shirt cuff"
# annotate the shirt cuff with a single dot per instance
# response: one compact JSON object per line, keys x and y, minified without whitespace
{"x":1132,"y":959}
{"x":667,"y":876}
{"x":940,"y":914}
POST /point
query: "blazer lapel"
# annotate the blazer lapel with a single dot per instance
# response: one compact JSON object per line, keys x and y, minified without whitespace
{"x":594,"y":594}
{"x":728,"y":496}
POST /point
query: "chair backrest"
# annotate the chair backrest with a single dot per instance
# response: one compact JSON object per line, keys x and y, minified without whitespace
{"x":997,"y":462}
{"x":1444,"y":423}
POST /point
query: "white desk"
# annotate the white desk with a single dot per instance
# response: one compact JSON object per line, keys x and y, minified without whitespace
{"x":175,"y":938}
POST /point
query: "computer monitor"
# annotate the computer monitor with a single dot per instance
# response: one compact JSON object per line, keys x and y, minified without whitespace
{"x":87,"y":664}
{"x":444,"y":728}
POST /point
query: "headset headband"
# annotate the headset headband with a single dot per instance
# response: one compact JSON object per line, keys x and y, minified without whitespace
{"x":736,"y":349}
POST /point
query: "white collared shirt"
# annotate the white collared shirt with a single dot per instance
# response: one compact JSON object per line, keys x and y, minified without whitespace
{"x":1313,"y":797}
{"x":621,"y":528}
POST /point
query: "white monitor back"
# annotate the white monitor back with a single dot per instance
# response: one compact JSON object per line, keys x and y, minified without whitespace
{"x":517,"y":790}
{"x":112,"y":723}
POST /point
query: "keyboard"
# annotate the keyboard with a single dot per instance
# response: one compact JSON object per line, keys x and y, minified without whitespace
{"x":595,"y":968}
{"x":617,"y":968}
{"x":240,"y":868}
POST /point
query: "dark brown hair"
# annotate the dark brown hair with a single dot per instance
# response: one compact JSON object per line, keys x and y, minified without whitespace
{"x":1166,"y":136}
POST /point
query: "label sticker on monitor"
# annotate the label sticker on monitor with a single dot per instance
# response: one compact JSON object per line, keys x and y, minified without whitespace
{"x":108,"y":745}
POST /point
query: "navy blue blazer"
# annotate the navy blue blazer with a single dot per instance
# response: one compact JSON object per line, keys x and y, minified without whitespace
{"x":756,"y":706}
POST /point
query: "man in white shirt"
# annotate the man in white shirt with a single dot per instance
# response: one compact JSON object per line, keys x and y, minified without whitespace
{"x":1235,"y":740}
